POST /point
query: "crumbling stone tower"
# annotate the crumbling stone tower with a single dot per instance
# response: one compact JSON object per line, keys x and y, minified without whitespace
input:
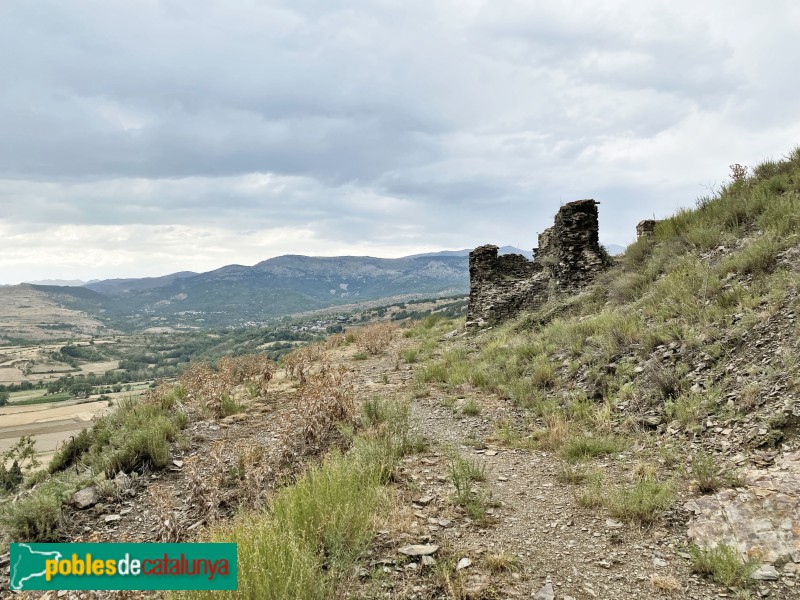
{"x":568,"y":257}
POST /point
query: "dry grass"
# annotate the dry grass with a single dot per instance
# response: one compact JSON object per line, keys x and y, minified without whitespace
{"x":502,"y":562}
{"x":556,"y":432}
{"x":375,"y":339}
{"x":665,"y":583}
{"x":213,"y":389}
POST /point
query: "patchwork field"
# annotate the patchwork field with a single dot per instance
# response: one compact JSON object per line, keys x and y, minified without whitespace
{"x":49,"y":424}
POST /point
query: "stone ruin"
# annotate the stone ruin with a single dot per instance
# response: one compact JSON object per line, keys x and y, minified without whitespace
{"x":568,"y":258}
{"x":646,"y":227}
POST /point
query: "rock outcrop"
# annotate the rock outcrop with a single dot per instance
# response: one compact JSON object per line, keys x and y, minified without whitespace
{"x":568,"y":257}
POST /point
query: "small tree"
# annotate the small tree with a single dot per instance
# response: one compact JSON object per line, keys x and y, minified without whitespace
{"x":4,"y":396}
{"x":23,"y":455}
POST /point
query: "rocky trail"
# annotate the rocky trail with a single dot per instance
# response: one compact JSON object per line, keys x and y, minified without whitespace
{"x":538,"y":541}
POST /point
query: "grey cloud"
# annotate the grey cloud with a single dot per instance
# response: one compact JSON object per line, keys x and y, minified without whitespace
{"x":390,"y":124}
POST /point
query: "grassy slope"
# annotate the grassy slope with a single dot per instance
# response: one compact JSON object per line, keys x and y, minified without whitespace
{"x":707,"y":276}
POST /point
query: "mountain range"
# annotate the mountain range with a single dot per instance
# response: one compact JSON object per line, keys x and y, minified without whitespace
{"x":237,"y":295}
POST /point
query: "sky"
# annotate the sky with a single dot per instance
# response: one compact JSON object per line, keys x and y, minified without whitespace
{"x":145,"y":137}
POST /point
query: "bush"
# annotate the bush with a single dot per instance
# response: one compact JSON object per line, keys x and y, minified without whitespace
{"x":71,"y":451}
{"x":471,"y":407}
{"x":723,"y":564}
{"x":208,"y":388}
{"x":36,"y":517}
{"x":410,"y":355}
{"x":706,"y":474}
{"x":375,"y":338}
{"x":758,"y":257}
{"x":462,"y":475}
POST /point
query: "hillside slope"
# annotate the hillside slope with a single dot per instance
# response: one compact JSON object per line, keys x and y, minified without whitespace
{"x":46,"y":313}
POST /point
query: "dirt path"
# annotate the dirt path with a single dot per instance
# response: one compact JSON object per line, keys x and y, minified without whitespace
{"x":538,"y":541}
{"x":580,"y":551}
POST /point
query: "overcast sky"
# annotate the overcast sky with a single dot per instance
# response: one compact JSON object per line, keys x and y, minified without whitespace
{"x":146,"y":137}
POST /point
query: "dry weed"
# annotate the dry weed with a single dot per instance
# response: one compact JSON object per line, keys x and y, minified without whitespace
{"x":335,"y":341}
{"x":210,"y":388}
{"x":375,"y":338}
{"x":298,"y":362}
{"x":665,"y":583}
{"x":170,"y":529}
{"x":325,"y":400}
{"x":555,"y":433}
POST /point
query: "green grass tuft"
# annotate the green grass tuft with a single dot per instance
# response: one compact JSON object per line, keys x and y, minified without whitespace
{"x":723,"y":564}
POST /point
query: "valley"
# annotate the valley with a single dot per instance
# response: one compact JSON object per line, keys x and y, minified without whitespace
{"x":56,"y":389}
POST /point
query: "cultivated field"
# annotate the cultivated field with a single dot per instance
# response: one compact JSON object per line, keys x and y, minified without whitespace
{"x":49,"y":424}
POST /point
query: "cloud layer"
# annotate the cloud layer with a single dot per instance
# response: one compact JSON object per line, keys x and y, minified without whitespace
{"x":147,"y":137}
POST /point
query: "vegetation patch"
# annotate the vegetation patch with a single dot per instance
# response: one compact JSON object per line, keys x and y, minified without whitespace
{"x":583,"y":447}
{"x":305,"y":544}
{"x":723,"y":564}
{"x":642,"y":501}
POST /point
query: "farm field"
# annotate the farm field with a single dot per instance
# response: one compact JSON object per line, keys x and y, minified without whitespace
{"x":49,"y":424}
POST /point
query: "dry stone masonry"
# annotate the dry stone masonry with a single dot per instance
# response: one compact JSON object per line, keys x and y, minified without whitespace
{"x":646,"y":227}
{"x":568,"y":257}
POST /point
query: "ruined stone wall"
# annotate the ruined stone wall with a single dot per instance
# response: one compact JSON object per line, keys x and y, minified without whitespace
{"x":576,"y":239}
{"x":568,"y":257}
{"x":501,"y":286}
{"x":646,"y":227}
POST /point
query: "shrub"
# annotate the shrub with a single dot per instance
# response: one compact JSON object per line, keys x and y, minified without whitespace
{"x":723,"y":564}
{"x":758,"y":257}
{"x":229,"y":406}
{"x":471,"y":407}
{"x":665,"y":382}
{"x":298,"y":361}
{"x":410,"y":355}
{"x":706,"y":473}
{"x":592,"y":495}
{"x":325,"y":400}
{"x":569,"y":473}
{"x":462,"y":475}
{"x":433,"y":372}
{"x":688,"y":409}
{"x":208,"y":388}
{"x":375,"y":338}
{"x":36,"y":517}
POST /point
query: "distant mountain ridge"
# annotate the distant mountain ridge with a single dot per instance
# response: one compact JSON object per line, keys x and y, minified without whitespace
{"x":237,"y":295}
{"x":62,"y":282}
